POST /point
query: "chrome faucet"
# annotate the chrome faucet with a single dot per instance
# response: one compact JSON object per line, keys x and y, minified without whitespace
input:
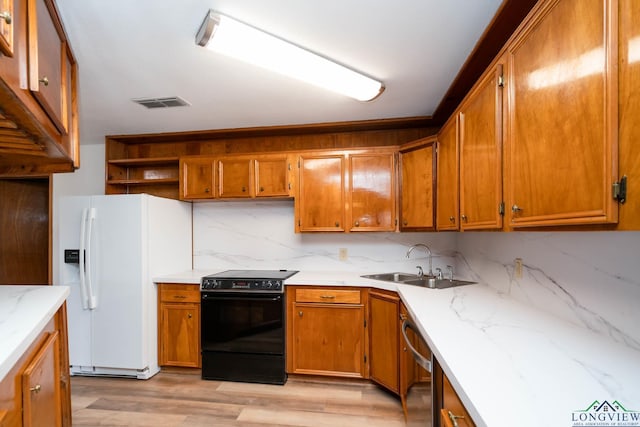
{"x":427,"y":250}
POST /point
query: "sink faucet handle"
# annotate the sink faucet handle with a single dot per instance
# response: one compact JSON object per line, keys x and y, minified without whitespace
{"x":420,"y":272}
{"x":450,"y":272}
{"x":439,"y":272}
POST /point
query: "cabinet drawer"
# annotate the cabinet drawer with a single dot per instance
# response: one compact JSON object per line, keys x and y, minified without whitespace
{"x":329,"y":296}
{"x":179,"y":293}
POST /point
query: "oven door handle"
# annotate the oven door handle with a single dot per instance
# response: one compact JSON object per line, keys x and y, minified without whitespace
{"x":239,"y":297}
{"x":422,"y":361}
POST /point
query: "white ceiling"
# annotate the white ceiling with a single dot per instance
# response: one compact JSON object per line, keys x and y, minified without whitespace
{"x":130,"y":49}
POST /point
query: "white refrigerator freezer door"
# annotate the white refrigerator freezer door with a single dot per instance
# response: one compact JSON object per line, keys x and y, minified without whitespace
{"x":117,"y":269}
{"x":78,"y":317}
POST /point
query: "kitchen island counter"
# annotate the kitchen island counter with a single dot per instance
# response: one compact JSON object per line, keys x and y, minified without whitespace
{"x":24,"y":312}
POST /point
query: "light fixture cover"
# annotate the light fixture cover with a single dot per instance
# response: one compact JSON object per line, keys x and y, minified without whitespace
{"x":230,"y":37}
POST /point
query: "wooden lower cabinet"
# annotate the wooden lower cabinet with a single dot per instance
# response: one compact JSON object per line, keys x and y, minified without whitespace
{"x":179,"y":325}
{"x":326,"y":332}
{"x":449,"y":409}
{"x":36,"y":392}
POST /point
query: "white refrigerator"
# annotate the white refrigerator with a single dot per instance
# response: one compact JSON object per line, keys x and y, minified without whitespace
{"x":110,"y":247}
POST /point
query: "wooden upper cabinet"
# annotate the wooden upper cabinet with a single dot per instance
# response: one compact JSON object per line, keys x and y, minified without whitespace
{"x":320,"y":200}
{"x":234,"y":178}
{"x":197,"y":178}
{"x":480,"y":127}
{"x":272,"y":176}
{"x":629,"y":71}
{"x":563,"y":118}
{"x":6,"y":27}
{"x":51,"y":64}
{"x":417,"y":185}
{"x":372,"y":192}
{"x":447,"y":192}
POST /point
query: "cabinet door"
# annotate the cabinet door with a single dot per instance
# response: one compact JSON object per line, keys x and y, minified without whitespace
{"x":629,"y":66}
{"x":180,"y":335}
{"x":41,"y":386}
{"x":372,"y":192}
{"x":50,"y":62}
{"x":408,"y":366}
{"x":384,"y":340}
{"x":563,"y":116}
{"x":234,"y":178}
{"x":480,"y":121}
{"x":320,"y":202}
{"x":197,"y":176}
{"x":272,"y":177}
{"x":416,"y":207}
{"x":447,"y":194}
{"x":328,"y":340}
{"x":6,"y":27}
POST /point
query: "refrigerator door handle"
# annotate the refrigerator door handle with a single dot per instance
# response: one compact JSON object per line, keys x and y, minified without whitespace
{"x":93,"y":300}
{"x":82,"y":261}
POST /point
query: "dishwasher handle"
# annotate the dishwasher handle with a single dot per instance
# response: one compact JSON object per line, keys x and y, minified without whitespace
{"x":422,"y":361}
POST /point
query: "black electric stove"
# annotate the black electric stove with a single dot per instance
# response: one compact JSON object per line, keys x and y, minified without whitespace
{"x":242,"y":326}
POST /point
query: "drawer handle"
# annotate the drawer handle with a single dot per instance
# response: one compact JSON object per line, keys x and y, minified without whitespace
{"x":179,"y":296}
{"x":327,"y":296}
{"x":454,"y":418}
{"x":44,"y":81}
{"x":6,"y":16}
{"x":36,"y":389}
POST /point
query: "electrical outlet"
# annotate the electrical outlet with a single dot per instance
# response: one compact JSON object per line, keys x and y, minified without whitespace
{"x":343,"y":254}
{"x":517,"y":271}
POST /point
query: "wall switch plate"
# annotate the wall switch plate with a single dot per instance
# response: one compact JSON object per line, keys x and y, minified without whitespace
{"x":517,"y":271}
{"x":343,"y":254}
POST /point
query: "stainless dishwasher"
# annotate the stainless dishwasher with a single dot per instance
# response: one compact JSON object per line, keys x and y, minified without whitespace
{"x":419,"y":411}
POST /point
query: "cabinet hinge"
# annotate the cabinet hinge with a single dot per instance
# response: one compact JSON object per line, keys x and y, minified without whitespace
{"x":289,"y":186}
{"x":500,"y":81}
{"x":365,"y":323}
{"x":298,"y":163}
{"x":299,"y":224}
{"x":501,"y":208}
{"x":289,"y":166}
{"x":620,"y":190}
{"x":365,"y":358}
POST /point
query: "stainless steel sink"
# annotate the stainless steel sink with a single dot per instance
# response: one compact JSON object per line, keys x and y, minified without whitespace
{"x":434,"y":283}
{"x":392,"y":277}
{"x":413,"y":279}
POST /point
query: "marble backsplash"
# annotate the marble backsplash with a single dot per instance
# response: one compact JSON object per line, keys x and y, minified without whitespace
{"x":588,"y":278}
{"x":260,"y":235}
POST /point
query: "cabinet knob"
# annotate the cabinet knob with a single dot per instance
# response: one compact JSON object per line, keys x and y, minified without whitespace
{"x":405,"y":222}
{"x":337,"y":224}
{"x":207,"y":190}
{"x":6,"y":16}
{"x":261,"y":189}
{"x":516,"y":209}
{"x":463,"y":217}
{"x":189,"y":315}
{"x":36,"y":389}
{"x":452,"y":219}
{"x":44,"y":81}
{"x":357,"y":224}
{"x":244,"y":189}
{"x":300,"y":313}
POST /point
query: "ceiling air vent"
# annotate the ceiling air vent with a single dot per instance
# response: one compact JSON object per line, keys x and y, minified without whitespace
{"x":172,"y":101}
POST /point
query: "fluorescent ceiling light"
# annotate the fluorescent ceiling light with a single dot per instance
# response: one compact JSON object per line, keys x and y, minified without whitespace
{"x":233,"y":38}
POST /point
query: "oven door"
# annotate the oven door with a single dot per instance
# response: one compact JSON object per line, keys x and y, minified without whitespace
{"x":242,"y":336}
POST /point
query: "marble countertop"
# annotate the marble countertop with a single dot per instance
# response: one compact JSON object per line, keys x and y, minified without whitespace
{"x":24,"y":312}
{"x":509,"y":363}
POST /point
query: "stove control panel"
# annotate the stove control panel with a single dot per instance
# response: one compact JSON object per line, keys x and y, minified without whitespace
{"x":250,"y":285}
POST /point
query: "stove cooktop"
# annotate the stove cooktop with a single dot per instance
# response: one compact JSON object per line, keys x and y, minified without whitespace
{"x":246,"y":280}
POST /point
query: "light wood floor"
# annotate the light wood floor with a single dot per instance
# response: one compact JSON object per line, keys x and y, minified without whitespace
{"x":179,"y":399}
